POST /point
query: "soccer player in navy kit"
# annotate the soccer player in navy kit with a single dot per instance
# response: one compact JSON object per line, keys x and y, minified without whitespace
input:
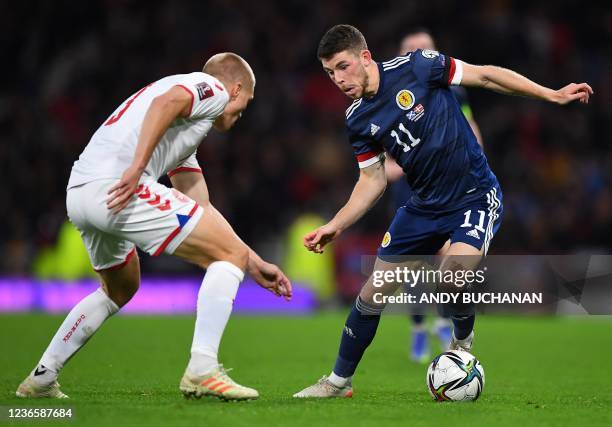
{"x":404,"y":107}
{"x":421,"y":38}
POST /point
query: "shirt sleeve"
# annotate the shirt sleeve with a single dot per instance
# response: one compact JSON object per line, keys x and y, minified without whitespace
{"x":190,"y":164}
{"x":367,"y":152}
{"x":208,"y":96}
{"x":435,"y":69}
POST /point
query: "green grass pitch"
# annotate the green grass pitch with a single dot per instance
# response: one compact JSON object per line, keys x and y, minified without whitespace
{"x":540,"y":371}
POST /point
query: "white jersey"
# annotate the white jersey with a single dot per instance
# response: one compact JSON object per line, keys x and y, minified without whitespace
{"x":111,"y":149}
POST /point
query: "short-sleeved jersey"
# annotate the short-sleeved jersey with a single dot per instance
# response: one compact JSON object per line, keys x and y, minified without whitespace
{"x":415,"y":117}
{"x":400,"y":190}
{"x":111,"y":148}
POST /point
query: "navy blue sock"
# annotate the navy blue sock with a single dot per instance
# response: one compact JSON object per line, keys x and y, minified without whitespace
{"x":463,"y":325}
{"x":418,"y":319}
{"x":359,"y":331}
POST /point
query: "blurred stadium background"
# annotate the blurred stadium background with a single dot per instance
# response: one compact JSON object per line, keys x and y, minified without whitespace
{"x":285,"y":168}
{"x":287,"y":165}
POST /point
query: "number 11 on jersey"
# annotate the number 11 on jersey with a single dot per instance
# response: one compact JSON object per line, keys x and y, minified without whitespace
{"x":413,"y":141}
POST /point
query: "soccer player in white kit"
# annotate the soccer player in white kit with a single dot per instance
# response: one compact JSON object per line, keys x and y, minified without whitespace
{"x":115,"y":201}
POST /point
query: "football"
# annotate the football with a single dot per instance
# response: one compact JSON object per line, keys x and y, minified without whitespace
{"x":455,"y":376}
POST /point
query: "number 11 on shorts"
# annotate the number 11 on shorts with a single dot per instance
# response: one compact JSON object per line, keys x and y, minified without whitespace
{"x":480,"y":226}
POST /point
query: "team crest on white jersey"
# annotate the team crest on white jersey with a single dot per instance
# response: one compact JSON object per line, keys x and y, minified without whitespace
{"x":430,"y":54}
{"x":405,"y":99}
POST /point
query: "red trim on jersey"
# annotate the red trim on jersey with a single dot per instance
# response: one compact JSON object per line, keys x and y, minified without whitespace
{"x":192,"y":97}
{"x":451,"y":70}
{"x":218,"y":86}
{"x":183,"y":169}
{"x":174,"y":233}
{"x":192,"y":211}
{"x":121,"y":264}
{"x":367,"y":156}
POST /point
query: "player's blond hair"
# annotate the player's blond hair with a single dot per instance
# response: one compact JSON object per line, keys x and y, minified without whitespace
{"x":230,"y":68}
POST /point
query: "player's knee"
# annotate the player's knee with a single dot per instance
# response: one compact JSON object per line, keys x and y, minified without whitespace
{"x":125,"y":294}
{"x":130,"y":290}
{"x":239,"y":256}
{"x":234,"y":252}
{"x":121,"y":293}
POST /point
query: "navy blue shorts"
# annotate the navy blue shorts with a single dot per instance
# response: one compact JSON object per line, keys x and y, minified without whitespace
{"x":413,"y":232}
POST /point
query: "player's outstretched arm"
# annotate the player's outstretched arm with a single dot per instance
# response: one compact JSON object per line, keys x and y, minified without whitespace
{"x":163,"y":110}
{"x":369,"y":188}
{"x":509,"y":82}
{"x":267,"y":275}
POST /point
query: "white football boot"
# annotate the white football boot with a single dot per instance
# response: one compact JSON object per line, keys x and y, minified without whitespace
{"x":217,"y":384}
{"x":30,"y":389}
{"x":324,"y":388}
{"x":464,"y":344}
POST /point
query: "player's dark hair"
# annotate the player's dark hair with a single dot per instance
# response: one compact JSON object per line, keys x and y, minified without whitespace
{"x":338,"y":38}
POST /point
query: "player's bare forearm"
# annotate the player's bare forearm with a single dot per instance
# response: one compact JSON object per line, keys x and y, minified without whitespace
{"x":267,"y":275}
{"x":510,"y":82}
{"x":254,"y":259}
{"x":369,"y":188}
{"x":192,"y":184}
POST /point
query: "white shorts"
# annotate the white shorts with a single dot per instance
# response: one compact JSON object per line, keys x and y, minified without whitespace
{"x":157,"y":220}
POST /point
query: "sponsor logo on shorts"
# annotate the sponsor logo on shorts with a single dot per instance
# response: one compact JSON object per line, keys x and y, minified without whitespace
{"x":386,"y":240}
{"x":473,"y":233}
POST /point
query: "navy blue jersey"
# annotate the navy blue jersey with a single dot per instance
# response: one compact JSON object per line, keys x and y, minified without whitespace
{"x":400,"y":190}
{"x":460,"y":95}
{"x":415,"y":117}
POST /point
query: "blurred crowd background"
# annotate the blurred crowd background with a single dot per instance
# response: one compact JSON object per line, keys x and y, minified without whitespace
{"x":287,"y":164}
